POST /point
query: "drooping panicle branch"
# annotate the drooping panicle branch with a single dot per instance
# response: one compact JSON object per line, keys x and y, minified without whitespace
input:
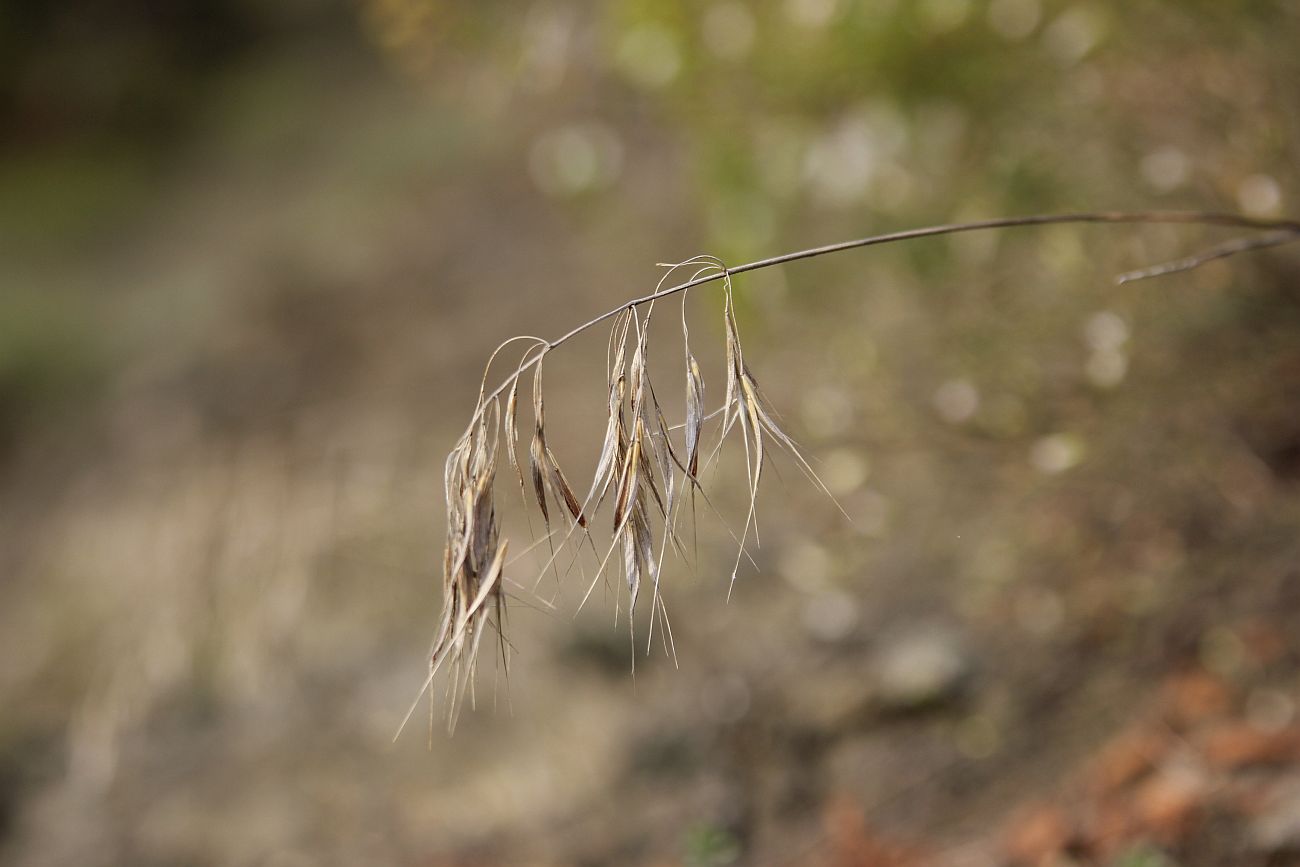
{"x":645,"y":465}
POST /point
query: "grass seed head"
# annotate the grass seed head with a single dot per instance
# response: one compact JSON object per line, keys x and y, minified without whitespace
{"x":638,"y":459}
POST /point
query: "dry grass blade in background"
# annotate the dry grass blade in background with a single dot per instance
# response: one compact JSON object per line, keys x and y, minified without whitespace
{"x":640,"y":467}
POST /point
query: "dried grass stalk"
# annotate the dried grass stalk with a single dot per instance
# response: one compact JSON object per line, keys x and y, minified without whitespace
{"x":645,"y":464}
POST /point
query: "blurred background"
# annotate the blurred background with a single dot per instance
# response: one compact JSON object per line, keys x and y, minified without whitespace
{"x":254,"y":256}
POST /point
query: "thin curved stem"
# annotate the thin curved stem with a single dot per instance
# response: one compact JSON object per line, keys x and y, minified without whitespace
{"x":1219,"y":251}
{"x":1284,"y":230}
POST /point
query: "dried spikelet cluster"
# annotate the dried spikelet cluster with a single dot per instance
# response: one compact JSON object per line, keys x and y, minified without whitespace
{"x":646,"y":467}
{"x":646,"y":471}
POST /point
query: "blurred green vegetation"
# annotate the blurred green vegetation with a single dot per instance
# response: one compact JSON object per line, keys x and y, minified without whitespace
{"x":709,"y":846}
{"x":792,"y":118}
{"x":51,"y":359}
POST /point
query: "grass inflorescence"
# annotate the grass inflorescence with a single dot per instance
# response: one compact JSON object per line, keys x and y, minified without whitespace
{"x":648,"y":473}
